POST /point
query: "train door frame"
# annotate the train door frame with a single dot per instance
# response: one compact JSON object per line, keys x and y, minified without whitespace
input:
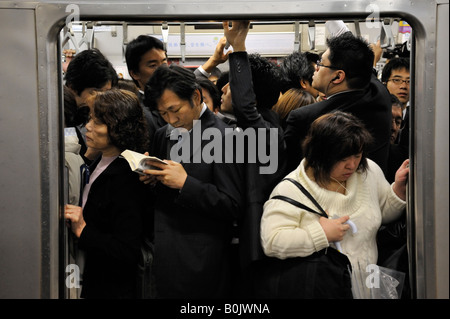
{"x":427,"y":214}
{"x":422,"y":247}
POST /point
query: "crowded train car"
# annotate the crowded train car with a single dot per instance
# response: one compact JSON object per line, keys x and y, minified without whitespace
{"x":218,"y":227}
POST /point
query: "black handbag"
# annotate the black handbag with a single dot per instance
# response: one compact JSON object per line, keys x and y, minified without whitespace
{"x":323,"y":275}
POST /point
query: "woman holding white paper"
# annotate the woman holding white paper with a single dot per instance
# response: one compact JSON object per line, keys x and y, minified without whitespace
{"x":346,"y":184}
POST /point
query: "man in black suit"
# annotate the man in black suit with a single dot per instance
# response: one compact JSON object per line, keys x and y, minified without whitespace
{"x":254,"y":88}
{"x":345,"y":76}
{"x":196,"y":200}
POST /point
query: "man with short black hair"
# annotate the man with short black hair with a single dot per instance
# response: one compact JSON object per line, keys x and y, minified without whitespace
{"x":297,"y":70}
{"x":197,"y":200}
{"x":143,"y":56}
{"x":396,"y":77}
{"x":345,"y":76}
{"x":252,"y":91}
{"x":89,"y":70}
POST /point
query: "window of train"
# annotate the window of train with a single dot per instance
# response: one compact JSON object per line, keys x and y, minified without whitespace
{"x":272,"y":39}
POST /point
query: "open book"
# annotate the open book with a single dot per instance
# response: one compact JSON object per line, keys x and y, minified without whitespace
{"x":138,"y":162}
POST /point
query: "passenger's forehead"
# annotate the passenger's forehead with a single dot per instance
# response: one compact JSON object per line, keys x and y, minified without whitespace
{"x":325,"y":55}
{"x":396,"y":110}
{"x":153,"y":55}
{"x":400,"y":72}
{"x":169,"y":100}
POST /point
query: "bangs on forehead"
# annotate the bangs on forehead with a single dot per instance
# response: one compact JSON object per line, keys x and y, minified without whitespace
{"x":352,"y":146}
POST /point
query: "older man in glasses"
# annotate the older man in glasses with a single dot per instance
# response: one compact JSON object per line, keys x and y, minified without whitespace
{"x":345,"y":75}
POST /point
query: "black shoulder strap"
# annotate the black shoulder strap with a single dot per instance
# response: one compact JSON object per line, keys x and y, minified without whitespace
{"x":298,"y":204}
{"x":300,"y":186}
{"x":295,"y":203}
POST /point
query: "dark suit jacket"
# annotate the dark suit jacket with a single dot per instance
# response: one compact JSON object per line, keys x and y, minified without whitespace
{"x":258,"y":186}
{"x":371,"y":105}
{"x":193,"y":226}
{"x":115,"y":212}
{"x":398,"y":153}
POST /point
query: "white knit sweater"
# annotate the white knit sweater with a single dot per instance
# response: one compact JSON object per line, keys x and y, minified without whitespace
{"x":288,"y":231}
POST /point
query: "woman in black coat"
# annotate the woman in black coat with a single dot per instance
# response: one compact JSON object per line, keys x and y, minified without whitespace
{"x":110,"y":224}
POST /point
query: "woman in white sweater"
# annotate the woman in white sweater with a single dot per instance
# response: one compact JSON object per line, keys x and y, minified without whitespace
{"x":346,"y":184}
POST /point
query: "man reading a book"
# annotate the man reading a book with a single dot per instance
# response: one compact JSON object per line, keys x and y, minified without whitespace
{"x":196,"y":201}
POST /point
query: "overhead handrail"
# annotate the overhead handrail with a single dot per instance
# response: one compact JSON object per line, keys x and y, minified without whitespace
{"x":124,"y":40}
{"x":297,"y":36}
{"x":357,"y":28}
{"x":88,"y":35}
{"x":165,"y":33}
{"x":386,"y":35}
{"x":312,"y":34}
{"x":69,"y":36}
{"x":183,"y":41}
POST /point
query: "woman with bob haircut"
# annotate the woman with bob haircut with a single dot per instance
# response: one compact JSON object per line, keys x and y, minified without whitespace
{"x":346,"y":184}
{"x":110,"y":223}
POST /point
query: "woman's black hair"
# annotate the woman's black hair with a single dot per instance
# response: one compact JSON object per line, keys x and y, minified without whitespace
{"x":333,"y":137}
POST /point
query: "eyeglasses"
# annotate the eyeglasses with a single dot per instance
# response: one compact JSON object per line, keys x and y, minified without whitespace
{"x":399,"y":81}
{"x":319,"y":64}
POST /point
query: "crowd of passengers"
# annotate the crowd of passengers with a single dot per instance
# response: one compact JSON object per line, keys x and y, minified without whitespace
{"x":340,"y":131}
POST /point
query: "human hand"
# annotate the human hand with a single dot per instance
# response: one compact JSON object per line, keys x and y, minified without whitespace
{"x":377,"y":51}
{"x":148,"y":179}
{"x":401,"y":177}
{"x":334,"y":229}
{"x":69,"y":54}
{"x":74,"y":214}
{"x":237,"y":34}
{"x":172,"y":174}
{"x":219,"y":56}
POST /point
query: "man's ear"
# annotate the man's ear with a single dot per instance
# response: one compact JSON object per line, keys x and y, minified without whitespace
{"x":303,"y":84}
{"x":135,"y":75}
{"x":197,"y":96}
{"x":340,"y":76}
